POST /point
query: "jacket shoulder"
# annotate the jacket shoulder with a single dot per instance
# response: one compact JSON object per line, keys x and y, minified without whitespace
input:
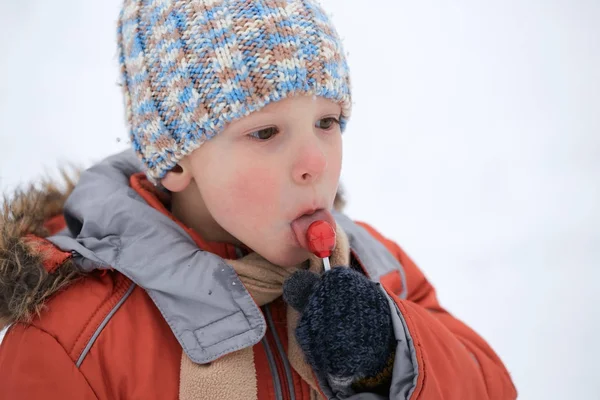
{"x":103,"y":330}
{"x":390,"y":245}
{"x":76,"y":315}
{"x":34,"y":366}
{"x":376,"y":234}
{"x":52,"y":345}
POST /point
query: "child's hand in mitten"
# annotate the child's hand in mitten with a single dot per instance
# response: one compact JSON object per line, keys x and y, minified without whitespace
{"x":345,"y":328}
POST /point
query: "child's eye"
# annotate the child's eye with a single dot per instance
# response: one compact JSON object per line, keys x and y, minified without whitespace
{"x":264,"y":134}
{"x":327,"y":123}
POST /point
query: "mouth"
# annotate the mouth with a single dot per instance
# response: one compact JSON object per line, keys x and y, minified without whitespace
{"x":301,"y":223}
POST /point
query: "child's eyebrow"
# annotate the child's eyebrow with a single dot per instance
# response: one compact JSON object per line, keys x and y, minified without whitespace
{"x":250,"y":121}
{"x":337,"y":111}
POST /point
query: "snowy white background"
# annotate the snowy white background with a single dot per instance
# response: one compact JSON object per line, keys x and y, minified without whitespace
{"x":475,"y":144}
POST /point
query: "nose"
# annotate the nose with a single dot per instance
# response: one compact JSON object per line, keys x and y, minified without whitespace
{"x":310,"y":162}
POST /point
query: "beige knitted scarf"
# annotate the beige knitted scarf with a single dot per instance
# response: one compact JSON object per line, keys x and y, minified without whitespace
{"x":234,"y":375}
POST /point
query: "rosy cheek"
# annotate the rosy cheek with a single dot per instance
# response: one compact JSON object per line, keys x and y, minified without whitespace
{"x":255,"y":190}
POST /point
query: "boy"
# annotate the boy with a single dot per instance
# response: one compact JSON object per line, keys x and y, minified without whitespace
{"x":185,"y":272}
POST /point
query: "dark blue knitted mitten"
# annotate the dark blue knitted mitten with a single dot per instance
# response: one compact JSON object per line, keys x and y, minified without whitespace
{"x":345,"y":327}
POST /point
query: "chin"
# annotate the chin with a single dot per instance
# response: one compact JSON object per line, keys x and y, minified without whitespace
{"x":288,"y":259}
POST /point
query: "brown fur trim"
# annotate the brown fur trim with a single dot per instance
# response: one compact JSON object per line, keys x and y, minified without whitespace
{"x":24,"y":283}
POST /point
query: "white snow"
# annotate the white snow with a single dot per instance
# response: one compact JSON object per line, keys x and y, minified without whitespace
{"x":474,"y":143}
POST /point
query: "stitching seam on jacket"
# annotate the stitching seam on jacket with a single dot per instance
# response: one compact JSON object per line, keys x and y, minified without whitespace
{"x":112,"y":312}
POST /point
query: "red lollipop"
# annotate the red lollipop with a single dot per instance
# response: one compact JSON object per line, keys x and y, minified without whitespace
{"x":321,"y":240}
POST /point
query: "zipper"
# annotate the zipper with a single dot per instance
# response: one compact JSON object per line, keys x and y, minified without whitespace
{"x":272,"y":357}
{"x":273,"y":368}
{"x":286,"y":364}
{"x":284,"y":386}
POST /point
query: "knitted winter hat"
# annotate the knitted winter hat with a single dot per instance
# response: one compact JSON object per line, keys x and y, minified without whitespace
{"x":190,"y":67}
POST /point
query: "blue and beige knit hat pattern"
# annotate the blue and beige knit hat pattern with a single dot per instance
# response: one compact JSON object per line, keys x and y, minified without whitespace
{"x":189,"y":67}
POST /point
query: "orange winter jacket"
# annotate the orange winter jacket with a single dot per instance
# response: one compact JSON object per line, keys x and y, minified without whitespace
{"x":99,"y":335}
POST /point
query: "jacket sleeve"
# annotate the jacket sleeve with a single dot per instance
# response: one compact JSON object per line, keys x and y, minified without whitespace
{"x":33,"y":365}
{"x":438,"y":356}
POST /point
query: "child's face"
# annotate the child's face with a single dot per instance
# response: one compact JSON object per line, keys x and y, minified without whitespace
{"x":265,"y":170}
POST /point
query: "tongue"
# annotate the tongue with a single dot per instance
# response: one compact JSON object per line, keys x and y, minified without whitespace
{"x":300,"y":225}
